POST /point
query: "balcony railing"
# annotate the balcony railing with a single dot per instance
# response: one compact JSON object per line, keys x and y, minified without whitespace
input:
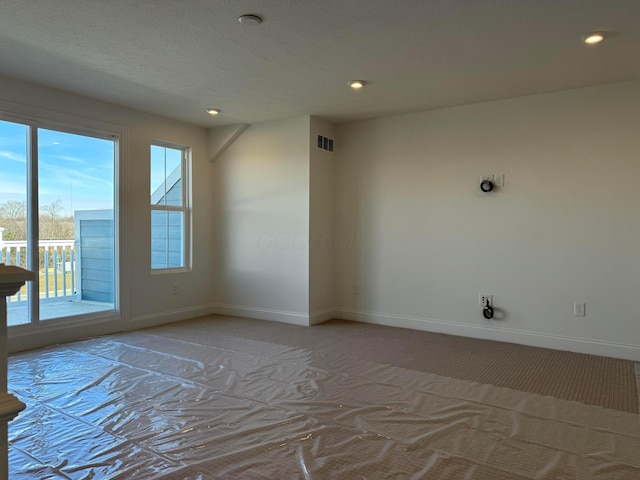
{"x":57,"y":268}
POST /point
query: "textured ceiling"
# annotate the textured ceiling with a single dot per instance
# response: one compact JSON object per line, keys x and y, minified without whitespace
{"x":175,"y":58}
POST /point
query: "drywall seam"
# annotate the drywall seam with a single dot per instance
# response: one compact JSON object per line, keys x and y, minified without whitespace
{"x":294,"y":318}
{"x":320,"y":316}
{"x":557,"y":342}
{"x":155,"y":319}
{"x":229,"y":141}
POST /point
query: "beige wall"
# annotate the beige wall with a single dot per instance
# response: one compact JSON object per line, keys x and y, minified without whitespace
{"x":321,"y":241}
{"x":400,"y":202}
{"x":261,"y":217}
{"x":425,"y":242}
{"x":274,"y":215}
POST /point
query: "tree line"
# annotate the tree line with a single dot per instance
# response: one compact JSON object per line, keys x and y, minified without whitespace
{"x":54,"y":225}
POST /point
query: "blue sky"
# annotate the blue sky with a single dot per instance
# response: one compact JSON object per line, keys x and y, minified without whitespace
{"x":74,"y":169}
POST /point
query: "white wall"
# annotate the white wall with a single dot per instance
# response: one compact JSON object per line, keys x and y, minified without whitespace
{"x":261,"y":216}
{"x":321,"y":236}
{"x":408,"y":221}
{"x":423,"y":241}
{"x":147,"y":298}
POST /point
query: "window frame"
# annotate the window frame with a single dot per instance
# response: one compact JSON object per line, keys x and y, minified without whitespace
{"x":35,"y":120}
{"x":185,"y":208}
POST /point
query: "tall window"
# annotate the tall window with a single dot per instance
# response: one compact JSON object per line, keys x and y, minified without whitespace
{"x":170,"y":218}
{"x":58,"y":218}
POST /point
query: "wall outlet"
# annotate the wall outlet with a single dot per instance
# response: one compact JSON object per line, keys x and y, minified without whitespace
{"x":356,"y":289}
{"x":496,"y":178}
{"x":484,"y":299}
{"x":579,"y":309}
{"x":175,"y":289}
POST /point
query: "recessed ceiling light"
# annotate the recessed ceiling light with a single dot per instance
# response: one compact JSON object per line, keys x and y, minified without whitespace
{"x":594,"y":38}
{"x":357,"y":84}
{"x":213,"y":111}
{"x":250,"y":19}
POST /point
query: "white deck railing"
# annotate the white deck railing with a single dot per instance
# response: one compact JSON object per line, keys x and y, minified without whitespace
{"x":57,"y":267}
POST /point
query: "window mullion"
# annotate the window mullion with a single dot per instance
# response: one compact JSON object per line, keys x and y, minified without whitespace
{"x":33,"y":237}
{"x":168,"y":208}
{"x":165,"y":177}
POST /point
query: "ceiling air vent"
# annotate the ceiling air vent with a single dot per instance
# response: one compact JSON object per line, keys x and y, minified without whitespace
{"x":325,"y":143}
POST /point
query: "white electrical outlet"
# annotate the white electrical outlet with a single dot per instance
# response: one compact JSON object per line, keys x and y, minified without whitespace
{"x":356,"y":289}
{"x":496,"y":178}
{"x":175,"y":289}
{"x":579,"y":309}
{"x":485,"y":299}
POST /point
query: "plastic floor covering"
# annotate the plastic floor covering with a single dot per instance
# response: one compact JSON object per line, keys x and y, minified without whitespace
{"x":183,"y":402}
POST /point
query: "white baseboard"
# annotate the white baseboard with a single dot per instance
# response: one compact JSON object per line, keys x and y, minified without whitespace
{"x":556,"y":342}
{"x":294,"y":318}
{"x":320,"y":316}
{"x":62,"y":333}
{"x":156,"y":319}
{"x":26,"y":338}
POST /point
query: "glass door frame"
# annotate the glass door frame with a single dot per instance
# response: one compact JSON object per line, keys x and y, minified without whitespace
{"x":97,"y":130}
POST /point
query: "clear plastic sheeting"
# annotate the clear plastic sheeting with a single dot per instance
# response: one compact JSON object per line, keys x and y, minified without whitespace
{"x":182,"y":402}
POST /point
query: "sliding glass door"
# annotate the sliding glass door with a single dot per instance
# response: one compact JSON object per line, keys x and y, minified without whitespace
{"x":57,"y":217}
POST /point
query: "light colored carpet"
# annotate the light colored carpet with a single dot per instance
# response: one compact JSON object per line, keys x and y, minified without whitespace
{"x":593,"y":380}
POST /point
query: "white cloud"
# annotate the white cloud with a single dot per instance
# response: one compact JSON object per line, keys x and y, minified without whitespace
{"x":69,"y":158}
{"x":56,"y":175}
{"x":13,"y":156}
